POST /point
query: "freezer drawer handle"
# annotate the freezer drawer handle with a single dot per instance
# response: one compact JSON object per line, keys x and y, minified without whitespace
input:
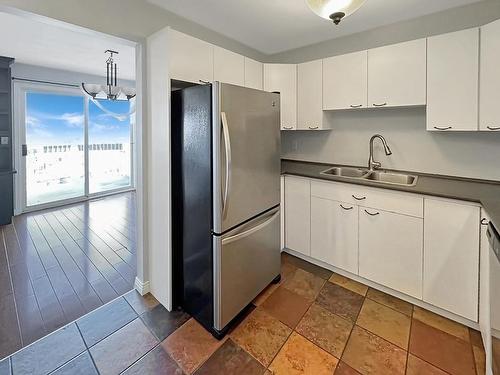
{"x":227,"y":147}
{"x":250,"y":231}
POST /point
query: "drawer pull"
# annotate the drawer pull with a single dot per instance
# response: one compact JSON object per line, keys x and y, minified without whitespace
{"x":288,"y":127}
{"x":443,"y":128}
{"x":358,"y":198}
{"x":484,"y":221}
{"x":379,"y":105}
{"x":372,"y":214}
{"x":204,"y":82}
{"x":347,"y":208}
{"x":493,"y":127}
{"x":356,"y":105}
{"x":313,"y":127}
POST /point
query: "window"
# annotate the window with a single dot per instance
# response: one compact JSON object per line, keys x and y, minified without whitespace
{"x":73,"y":147}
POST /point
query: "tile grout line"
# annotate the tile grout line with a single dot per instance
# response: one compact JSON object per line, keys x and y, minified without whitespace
{"x":12,"y":286}
{"x":409,"y":341}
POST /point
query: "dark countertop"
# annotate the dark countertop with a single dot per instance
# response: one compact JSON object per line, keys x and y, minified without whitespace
{"x":487,"y":193}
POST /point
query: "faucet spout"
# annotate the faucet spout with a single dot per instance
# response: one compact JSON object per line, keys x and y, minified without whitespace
{"x":372,"y":164}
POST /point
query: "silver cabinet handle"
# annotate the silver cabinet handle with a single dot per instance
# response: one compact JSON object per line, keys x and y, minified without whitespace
{"x":204,"y":82}
{"x":346,"y":208}
{"x":372,"y":214}
{"x":356,"y":105}
{"x":379,"y":105}
{"x":358,"y":198}
{"x":288,"y":127}
{"x":313,"y":127}
{"x":443,"y":127}
{"x":227,"y":147}
{"x":484,"y":221}
{"x":493,"y":127}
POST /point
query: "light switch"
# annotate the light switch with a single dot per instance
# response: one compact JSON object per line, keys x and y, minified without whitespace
{"x":4,"y":140}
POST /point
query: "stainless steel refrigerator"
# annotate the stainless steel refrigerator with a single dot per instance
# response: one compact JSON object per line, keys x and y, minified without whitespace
{"x":226,"y":199}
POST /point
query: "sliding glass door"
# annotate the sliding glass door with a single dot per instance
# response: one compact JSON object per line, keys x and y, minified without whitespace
{"x":69,"y":147}
{"x":109,"y":146}
{"x":55,"y":161}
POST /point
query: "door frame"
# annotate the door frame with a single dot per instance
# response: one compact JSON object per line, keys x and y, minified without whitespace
{"x":20,"y":89}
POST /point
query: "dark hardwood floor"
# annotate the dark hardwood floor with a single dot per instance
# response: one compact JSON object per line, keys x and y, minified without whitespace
{"x":59,"y":264}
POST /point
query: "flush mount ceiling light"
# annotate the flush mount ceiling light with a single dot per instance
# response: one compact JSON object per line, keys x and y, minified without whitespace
{"x":334,"y":10}
{"x":110,"y":90}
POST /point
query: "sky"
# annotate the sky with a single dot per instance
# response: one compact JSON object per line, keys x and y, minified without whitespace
{"x":59,"y":119}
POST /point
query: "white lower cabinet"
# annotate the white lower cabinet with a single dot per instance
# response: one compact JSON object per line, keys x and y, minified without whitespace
{"x":390,"y":250}
{"x":298,"y":214}
{"x":427,"y":248}
{"x":451,"y":257}
{"x":334,"y":233}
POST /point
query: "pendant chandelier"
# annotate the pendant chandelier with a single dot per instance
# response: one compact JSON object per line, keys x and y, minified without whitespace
{"x":334,"y":10}
{"x":110,"y":90}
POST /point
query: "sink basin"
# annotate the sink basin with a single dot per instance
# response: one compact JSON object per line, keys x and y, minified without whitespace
{"x":346,"y":172}
{"x":391,"y":178}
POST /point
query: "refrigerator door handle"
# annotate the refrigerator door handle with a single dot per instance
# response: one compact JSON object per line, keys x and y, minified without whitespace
{"x":250,"y":231}
{"x":227,"y":149}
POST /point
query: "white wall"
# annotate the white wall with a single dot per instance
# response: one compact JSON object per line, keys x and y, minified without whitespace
{"x":158,"y":157}
{"x":467,"y":154}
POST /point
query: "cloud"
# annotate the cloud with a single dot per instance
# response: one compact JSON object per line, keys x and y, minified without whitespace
{"x":34,"y":122}
{"x":73,"y":120}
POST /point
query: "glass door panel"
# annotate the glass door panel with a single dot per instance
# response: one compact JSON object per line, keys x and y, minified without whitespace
{"x":54,"y":151}
{"x":109,"y":145}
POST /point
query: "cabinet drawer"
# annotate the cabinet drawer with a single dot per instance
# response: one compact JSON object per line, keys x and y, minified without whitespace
{"x":387,"y":200}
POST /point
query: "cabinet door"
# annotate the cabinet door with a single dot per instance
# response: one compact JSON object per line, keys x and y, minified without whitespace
{"x":191,"y":59}
{"x":451,"y":257}
{"x":390,"y":250}
{"x":229,"y":67}
{"x":298,"y":214}
{"x":397,"y":74}
{"x":484,"y":281}
{"x":254,"y":72}
{"x":452,"y":81}
{"x":310,"y":95}
{"x":334,"y":233}
{"x":282,"y":78}
{"x":345,"y":81}
{"x":489,"y":116}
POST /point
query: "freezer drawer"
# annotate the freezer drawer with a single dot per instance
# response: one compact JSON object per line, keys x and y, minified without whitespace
{"x":246,"y":260}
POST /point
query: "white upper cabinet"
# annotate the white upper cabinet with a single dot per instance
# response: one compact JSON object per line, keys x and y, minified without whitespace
{"x":452,"y":81}
{"x":282,"y":78}
{"x":489,"y":115}
{"x":397,"y":75}
{"x":229,"y":67}
{"x":190,"y":59}
{"x":451,"y":256}
{"x":254,"y":72}
{"x":310,"y":95}
{"x":345,"y":81}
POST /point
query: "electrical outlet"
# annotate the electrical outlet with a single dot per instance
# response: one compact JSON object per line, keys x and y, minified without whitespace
{"x":4,"y":140}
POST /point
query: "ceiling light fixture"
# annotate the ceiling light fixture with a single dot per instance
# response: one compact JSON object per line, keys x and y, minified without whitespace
{"x":334,"y":10}
{"x":110,"y":90}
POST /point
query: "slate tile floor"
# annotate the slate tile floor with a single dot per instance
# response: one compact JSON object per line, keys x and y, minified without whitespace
{"x":313,"y":322}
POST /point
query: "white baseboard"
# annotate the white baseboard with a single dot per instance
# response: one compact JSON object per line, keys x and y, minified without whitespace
{"x":141,"y":287}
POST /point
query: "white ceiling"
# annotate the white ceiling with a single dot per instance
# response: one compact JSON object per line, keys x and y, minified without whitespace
{"x":37,"y":43}
{"x":272,"y":26}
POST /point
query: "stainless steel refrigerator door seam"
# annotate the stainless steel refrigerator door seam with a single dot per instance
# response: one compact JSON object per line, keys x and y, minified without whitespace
{"x":252,"y":230}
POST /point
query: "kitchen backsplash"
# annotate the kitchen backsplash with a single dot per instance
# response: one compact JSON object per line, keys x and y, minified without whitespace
{"x":465,"y":154}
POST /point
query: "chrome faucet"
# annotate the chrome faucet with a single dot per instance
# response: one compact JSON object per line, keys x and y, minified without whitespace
{"x":372,"y":164}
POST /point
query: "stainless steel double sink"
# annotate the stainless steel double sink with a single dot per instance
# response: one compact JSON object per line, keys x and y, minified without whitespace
{"x":374,"y":176}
